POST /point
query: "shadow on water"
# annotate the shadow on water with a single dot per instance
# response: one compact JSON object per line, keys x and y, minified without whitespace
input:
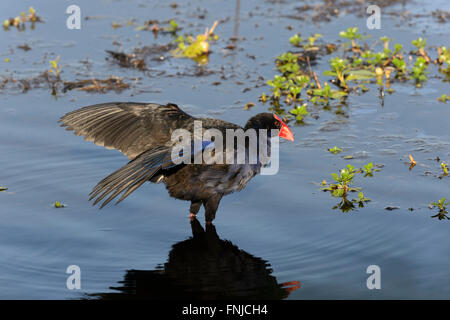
{"x":203,"y":267}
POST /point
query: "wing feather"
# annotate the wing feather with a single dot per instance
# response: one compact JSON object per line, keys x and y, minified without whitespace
{"x":129,"y":127}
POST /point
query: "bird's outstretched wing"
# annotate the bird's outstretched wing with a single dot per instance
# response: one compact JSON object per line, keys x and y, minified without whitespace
{"x":129,"y":127}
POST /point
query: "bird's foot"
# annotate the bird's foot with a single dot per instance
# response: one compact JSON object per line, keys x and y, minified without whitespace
{"x":208,"y":223}
{"x":192,"y":216}
{"x":291,"y":286}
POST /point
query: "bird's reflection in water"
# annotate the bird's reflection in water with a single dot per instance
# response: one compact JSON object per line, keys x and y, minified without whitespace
{"x":203,"y":267}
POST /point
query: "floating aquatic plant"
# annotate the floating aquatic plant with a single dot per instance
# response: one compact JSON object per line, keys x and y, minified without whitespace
{"x":441,"y":204}
{"x":344,"y":179}
{"x":196,"y":48}
{"x":173,"y":27}
{"x":58,"y":205}
{"x":351,"y":34}
{"x":369,"y":169}
{"x":20,"y":21}
{"x":444,"y":98}
{"x":444,"y":167}
{"x":444,"y":58}
{"x":55,"y":67}
{"x":361,"y":200}
{"x":296,"y":40}
{"x":341,"y":186}
{"x":300,"y":112}
{"x":324,"y":94}
{"x":312,"y":39}
{"x":344,"y":72}
{"x":418,"y":72}
{"x":335,"y":150}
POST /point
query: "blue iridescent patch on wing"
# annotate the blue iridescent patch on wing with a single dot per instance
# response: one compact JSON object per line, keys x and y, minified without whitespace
{"x":205,"y":144}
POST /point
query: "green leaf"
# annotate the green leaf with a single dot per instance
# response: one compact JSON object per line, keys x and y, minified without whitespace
{"x":335,"y":150}
{"x":330,"y":73}
{"x":335,"y":94}
{"x":338,"y":193}
{"x":58,"y":204}
{"x":295,"y":40}
{"x":335,"y":177}
{"x":360,"y":75}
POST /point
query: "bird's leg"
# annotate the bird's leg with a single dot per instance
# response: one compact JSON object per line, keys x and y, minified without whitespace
{"x":195,"y":207}
{"x":211,"y":205}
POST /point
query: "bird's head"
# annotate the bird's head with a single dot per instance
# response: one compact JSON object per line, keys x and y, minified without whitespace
{"x":270,"y":121}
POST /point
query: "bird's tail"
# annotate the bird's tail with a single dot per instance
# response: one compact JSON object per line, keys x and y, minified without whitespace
{"x":131,"y":176}
{"x":141,"y":169}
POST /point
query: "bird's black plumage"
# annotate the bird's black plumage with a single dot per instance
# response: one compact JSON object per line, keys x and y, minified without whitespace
{"x":143,"y":132}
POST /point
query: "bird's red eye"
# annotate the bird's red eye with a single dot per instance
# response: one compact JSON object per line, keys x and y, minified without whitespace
{"x":278,"y":118}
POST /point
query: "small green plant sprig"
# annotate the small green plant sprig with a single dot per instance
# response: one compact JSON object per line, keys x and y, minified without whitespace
{"x":324,"y":94}
{"x":341,"y":187}
{"x":420,"y":44}
{"x":58,"y":205}
{"x":361,"y":199}
{"x":351,"y":34}
{"x":444,"y":167}
{"x":444,"y":58}
{"x":292,"y":80}
{"x":20,"y":21}
{"x":300,"y":112}
{"x":173,"y":27}
{"x":344,"y":72}
{"x":55,"y":67}
{"x":312,"y":39}
{"x":418,"y":72}
{"x":287,"y":64}
{"x":444,"y":98}
{"x":441,"y":204}
{"x":344,"y":179}
{"x":296,"y":40}
{"x":196,"y":48}
{"x":335,"y":150}
{"x":386,"y":60}
{"x":369,"y":169}
{"x":278,"y":84}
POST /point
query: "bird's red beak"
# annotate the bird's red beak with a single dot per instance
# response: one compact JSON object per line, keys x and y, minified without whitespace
{"x":285,"y":132}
